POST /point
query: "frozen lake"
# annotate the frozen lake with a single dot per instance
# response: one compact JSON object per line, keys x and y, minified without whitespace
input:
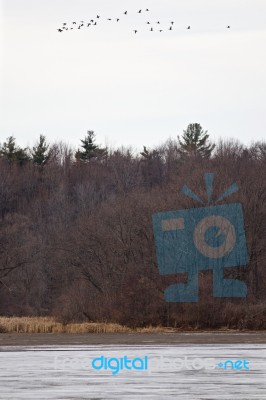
{"x":173,"y":371}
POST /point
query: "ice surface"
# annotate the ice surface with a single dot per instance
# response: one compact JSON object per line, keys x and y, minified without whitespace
{"x":52,"y":372}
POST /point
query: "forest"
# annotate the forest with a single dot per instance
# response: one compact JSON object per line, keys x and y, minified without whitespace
{"x":76,"y":234}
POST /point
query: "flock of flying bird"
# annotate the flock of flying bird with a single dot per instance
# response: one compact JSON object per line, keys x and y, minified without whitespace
{"x":94,"y":22}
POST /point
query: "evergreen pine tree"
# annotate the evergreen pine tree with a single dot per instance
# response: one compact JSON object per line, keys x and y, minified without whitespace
{"x":12,"y":153}
{"x":151,"y":167}
{"x":90,"y":149}
{"x":148,"y":155}
{"x":8,"y":150}
{"x":194,"y":141}
{"x":40,"y":154}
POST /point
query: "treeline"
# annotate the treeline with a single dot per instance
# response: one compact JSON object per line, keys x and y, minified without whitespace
{"x":76,"y":238}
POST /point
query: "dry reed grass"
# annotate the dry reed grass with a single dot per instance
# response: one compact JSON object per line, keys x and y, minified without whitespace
{"x":50,"y":325}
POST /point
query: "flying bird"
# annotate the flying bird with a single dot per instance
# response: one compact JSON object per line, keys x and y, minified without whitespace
{"x":188,"y":27}
{"x":170,"y":29}
{"x":64,"y":23}
{"x":117,"y":19}
{"x":92,"y":20}
{"x":135,"y":31}
{"x":139,"y":11}
{"x":147,"y":23}
{"x":95,"y":23}
{"x":74,"y":23}
{"x":147,"y":9}
{"x":158,"y":22}
{"x":160,"y":30}
{"x":125,"y":12}
{"x":60,"y":30}
{"x":172,"y":22}
{"x":109,"y":19}
{"x":151,"y":29}
{"x":228,"y":27}
{"x":89,"y":24}
{"x":98,"y":16}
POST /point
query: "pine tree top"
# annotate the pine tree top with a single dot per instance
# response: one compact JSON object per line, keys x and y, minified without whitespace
{"x":90,"y":150}
{"x":194,"y":141}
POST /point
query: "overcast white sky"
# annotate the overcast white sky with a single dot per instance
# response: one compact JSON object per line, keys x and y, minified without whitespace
{"x":132,"y":89}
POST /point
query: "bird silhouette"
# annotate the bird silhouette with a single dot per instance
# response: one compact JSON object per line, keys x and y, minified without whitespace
{"x":60,"y":30}
{"x":64,"y":23}
{"x":74,"y":23}
{"x":95,"y":23}
{"x":172,"y":22}
{"x":139,"y":11}
{"x":170,"y":29}
{"x":82,"y":25}
{"x":228,"y":27}
{"x":158,"y":22}
{"x":151,"y":29}
{"x":135,"y":31}
{"x":125,"y":12}
{"x":188,"y":27}
{"x":98,"y":16}
{"x":147,"y":23}
{"x":147,"y":9}
{"x":79,"y":27}
{"x":109,"y":19}
{"x":92,"y":20}
{"x":160,"y":30}
{"x":89,"y":24}
{"x":117,"y":19}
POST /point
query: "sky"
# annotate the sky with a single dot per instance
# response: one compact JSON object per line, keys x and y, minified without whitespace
{"x":132,"y":89}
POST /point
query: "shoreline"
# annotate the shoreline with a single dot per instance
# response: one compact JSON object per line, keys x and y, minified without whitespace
{"x":178,"y":338}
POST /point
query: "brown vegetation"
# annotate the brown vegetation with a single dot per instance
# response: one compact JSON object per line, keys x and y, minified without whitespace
{"x":50,"y":325}
{"x":76,"y":239}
